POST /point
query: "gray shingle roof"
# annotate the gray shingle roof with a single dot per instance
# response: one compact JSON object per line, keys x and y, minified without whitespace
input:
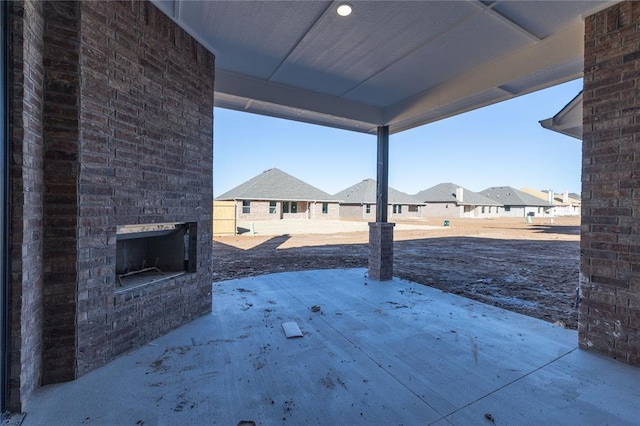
{"x":274,"y":184}
{"x":446,"y":193}
{"x":510,"y":196}
{"x":365,"y":193}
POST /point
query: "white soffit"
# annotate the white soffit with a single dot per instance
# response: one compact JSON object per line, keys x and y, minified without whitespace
{"x":568,"y":120}
{"x":396,"y":63}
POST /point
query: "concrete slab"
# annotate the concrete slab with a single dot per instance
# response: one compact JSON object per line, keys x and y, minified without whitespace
{"x":372,"y":353}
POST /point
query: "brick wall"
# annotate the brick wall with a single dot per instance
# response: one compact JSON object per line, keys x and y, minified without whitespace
{"x":27,"y":199}
{"x":333,"y":211}
{"x":404,"y":212}
{"x":146,"y":156}
{"x":111,"y":124}
{"x":60,"y":112}
{"x":609,"y":320}
{"x":258,"y":210}
{"x":357,"y":211}
{"x":442,"y":210}
{"x":381,"y":251}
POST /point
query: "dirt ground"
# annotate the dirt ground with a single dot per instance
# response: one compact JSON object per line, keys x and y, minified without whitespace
{"x":530,"y":268}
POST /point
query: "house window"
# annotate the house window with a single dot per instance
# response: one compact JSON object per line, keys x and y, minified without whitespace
{"x":246,"y":206}
{"x":413,"y":209}
{"x":397,"y":208}
{"x":367,"y":208}
{"x":294,"y":207}
{"x":285,"y":207}
{"x":482,"y":209}
{"x":507,"y":208}
{"x":272,"y":207}
{"x":325,"y":208}
{"x":489,"y":209}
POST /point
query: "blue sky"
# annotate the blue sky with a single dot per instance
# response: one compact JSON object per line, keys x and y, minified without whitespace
{"x":498,"y":145}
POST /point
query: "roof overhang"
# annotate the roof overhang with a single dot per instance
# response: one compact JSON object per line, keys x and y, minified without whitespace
{"x":568,"y":120}
{"x":396,"y":63}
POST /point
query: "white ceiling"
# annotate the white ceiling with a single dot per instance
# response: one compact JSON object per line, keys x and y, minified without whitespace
{"x":396,"y":63}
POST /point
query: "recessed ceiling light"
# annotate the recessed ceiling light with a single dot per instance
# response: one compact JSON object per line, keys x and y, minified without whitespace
{"x":344,"y":9}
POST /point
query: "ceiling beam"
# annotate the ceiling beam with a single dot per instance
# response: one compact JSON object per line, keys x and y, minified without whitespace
{"x":303,"y":37}
{"x":292,"y":98}
{"x":557,"y":49}
{"x":490,"y":11}
{"x":463,"y":20}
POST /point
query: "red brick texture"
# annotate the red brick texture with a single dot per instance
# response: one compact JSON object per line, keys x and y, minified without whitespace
{"x":112,"y":124}
{"x":610,"y":238}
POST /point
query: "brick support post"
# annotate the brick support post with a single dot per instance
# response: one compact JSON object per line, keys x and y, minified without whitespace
{"x":381,"y":250}
{"x":609,"y":314}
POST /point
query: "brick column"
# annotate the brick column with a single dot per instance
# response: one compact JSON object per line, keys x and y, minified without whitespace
{"x":381,"y":250}
{"x":609,"y":314}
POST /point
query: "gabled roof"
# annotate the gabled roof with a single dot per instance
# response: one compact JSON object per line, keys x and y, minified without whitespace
{"x":446,"y":193}
{"x":510,"y":196}
{"x":544,"y":195}
{"x":365,"y":193}
{"x":274,"y":184}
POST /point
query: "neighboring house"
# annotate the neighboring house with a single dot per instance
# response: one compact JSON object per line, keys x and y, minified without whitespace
{"x":359,"y":202}
{"x":274,"y":194}
{"x":517,"y":203}
{"x":451,"y":200}
{"x":563,"y":204}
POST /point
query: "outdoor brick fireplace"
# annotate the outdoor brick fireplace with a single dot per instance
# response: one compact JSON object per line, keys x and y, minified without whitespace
{"x":154,"y":252}
{"x":118,"y":180}
{"x":145,"y":173}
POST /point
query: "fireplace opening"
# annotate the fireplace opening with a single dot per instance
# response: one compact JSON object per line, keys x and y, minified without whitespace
{"x":154,"y":252}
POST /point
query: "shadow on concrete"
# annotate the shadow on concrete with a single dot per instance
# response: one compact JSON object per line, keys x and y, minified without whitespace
{"x":557,"y":229}
{"x":549,"y":229}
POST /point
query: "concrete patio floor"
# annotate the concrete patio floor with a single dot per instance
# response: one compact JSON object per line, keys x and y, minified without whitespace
{"x":372,"y":353}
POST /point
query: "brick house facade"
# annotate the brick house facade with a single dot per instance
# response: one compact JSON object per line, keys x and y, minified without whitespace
{"x":275,"y":210}
{"x":358,"y":202}
{"x":111,"y":124}
{"x":275,"y":195}
{"x":367,"y":211}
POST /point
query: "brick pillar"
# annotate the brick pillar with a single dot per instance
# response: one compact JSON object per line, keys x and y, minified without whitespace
{"x":609,"y":313}
{"x":381,"y":250}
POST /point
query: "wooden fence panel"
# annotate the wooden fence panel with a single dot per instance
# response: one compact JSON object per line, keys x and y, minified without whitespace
{"x":224,"y":218}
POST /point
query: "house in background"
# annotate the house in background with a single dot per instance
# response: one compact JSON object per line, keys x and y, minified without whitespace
{"x":563,"y":204}
{"x":451,"y":200}
{"x":517,"y":203}
{"x":274,"y":194}
{"x":359,"y":202}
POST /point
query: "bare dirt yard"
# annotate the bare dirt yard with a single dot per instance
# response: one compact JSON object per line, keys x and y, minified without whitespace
{"x":530,"y":268}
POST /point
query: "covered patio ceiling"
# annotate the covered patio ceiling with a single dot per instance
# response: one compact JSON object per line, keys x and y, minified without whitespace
{"x":396,"y":63}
